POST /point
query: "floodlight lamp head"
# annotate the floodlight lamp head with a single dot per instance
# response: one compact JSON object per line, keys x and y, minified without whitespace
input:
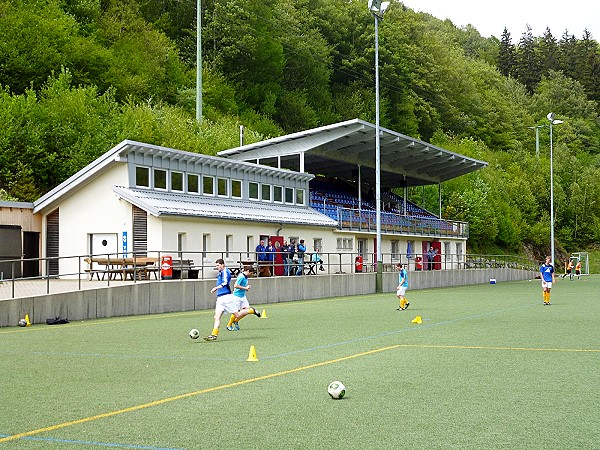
{"x":550,"y":116}
{"x":374,"y":6}
{"x":378,"y":7}
{"x":556,"y":121}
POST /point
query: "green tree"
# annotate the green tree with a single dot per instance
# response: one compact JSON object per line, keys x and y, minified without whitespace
{"x":506,"y":55}
{"x":527,"y":63}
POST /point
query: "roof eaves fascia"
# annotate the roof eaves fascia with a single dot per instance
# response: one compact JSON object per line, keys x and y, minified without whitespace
{"x":93,"y":169}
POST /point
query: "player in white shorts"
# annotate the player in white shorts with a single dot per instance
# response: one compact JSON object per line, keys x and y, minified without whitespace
{"x":226,"y":301}
{"x":547,"y":271}
{"x":402,"y":287}
{"x":240,"y":288}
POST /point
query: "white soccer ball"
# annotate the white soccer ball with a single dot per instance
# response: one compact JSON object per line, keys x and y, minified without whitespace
{"x":194,"y":334}
{"x":22,"y":323}
{"x":336,"y":389}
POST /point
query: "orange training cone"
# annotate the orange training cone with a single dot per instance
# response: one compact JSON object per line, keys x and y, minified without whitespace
{"x":417,"y":320}
{"x":28,"y":323}
{"x":263,"y":314}
{"x":252,"y":354}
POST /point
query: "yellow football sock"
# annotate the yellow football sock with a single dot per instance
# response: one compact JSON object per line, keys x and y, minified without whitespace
{"x":251,"y":311}
{"x":215,"y":331}
{"x":548,"y":297}
{"x":231,"y":320}
{"x":403,"y":303}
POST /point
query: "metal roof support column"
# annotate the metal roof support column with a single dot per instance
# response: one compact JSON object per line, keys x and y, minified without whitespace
{"x":440,"y":199}
{"x":359,"y":189}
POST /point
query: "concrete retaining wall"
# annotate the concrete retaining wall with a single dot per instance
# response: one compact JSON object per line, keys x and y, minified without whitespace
{"x":177,"y":295}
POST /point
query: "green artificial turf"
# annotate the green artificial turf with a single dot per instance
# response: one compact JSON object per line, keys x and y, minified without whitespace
{"x":489,"y":367}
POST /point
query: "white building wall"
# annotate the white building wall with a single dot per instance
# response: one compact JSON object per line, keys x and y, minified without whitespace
{"x":93,"y":208}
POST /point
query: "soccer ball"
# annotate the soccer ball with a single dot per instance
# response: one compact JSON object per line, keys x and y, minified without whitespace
{"x":194,"y":334}
{"x":336,"y":389}
{"x":22,"y":323}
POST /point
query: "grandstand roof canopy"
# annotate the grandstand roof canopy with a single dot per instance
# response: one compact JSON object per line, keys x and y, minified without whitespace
{"x":338,"y":150}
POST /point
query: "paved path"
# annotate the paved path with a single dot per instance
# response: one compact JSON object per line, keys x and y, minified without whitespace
{"x":31,"y":288}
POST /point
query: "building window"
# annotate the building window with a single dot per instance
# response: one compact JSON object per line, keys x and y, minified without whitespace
{"x":278,"y":194}
{"x":318,"y":243}
{"x":300,"y":196}
{"x":228,"y":245}
{"x":205,"y":245}
{"x":192,"y":183}
{"x":348,"y":243}
{"x":208,"y":185}
{"x":410,"y":249}
{"x":160,"y":179}
{"x":266,"y":192}
{"x":340,"y":244}
{"x":249,"y":246}
{"x":236,"y":188}
{"x":142,"y":177}
{"x":180,"y":243}
{"x":289,"y":195}
{"x":459,"y":251}
{"x":177,"y":181}
{"x":395,"y":250}
{"x":223,"y":187}
{"x":253,"y":190}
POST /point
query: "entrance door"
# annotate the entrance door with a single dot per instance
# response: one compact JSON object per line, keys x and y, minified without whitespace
{"x":10,"y":249}
{"x":31,"y":250}
{"x":105,"y":244}
{"x":275,"y":240}
{"x":438,"y":255}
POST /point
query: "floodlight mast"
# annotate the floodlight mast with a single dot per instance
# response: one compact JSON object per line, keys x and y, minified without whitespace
{"x":377,"y":8}
{"x":553,"y":121}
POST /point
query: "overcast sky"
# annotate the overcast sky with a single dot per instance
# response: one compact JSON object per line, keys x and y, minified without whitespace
{"x":490,"y":18}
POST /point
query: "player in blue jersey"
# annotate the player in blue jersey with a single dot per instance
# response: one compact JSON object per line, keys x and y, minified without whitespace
{"x":240,"y":288}
{"x":226,"y":301}
{"x":547,"y":271}
{"x":402,"y":287}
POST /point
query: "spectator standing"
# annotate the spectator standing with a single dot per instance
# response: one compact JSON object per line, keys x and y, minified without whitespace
{"x":291,"y":254}
{"x":300,"y":252}
{"x":261,"y":256}
{"x":284,"y":254}
{"x":270,"y":258}
{"x":430,"y":258}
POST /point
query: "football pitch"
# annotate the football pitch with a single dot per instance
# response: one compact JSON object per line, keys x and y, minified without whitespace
{"x":489,"y":367}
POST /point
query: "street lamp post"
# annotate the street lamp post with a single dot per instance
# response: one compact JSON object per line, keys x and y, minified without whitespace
{"x":199,"y":61}
{"x":537,"y":138}
{"x":553,"y":121}
{"x":377,"y":8}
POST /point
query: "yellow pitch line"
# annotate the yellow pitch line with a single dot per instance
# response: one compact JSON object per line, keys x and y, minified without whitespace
{"x":189,"y":394}
{"x":523,"y":349}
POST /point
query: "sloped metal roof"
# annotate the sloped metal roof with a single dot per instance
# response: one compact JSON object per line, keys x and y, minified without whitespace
{"x":339,"y":149}
{"x":171,"y":204}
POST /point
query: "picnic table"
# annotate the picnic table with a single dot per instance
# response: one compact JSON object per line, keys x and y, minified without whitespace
{"x":138,"y":267}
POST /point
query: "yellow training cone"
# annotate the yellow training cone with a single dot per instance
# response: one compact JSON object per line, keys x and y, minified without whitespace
{"x":263,"y":314}
{"x":417,"y":320}
{"x":28,"y":323}
{"x":252,"y":354}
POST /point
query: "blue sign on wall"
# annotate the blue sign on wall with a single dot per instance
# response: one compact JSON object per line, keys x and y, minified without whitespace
{"x":124,"y":242}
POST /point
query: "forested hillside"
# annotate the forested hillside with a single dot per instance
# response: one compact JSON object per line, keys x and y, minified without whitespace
{"x":79,"y":76}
